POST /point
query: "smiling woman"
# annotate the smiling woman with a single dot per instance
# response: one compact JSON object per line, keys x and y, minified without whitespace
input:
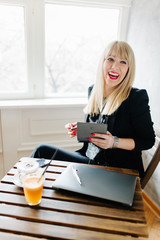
{"x":124,"y":109}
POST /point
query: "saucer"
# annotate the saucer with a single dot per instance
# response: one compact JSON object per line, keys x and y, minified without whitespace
{"x":17,"y":181}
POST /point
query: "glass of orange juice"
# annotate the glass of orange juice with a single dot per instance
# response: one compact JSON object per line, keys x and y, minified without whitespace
{"x":33,"y":187}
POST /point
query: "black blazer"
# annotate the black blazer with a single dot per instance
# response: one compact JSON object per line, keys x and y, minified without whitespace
{"x":131,"y":120}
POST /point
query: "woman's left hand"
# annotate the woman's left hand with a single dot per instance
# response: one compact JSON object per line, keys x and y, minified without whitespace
{"x":105,"y":143}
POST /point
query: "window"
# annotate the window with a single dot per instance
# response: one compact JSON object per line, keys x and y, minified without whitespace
{"x":75,"y":38}
{"x":12,"y":50}
{"x":51,"y":48}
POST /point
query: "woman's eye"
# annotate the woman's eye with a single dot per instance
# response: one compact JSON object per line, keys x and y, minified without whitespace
{"x":110,"y":59}
{"x":123,"y":62}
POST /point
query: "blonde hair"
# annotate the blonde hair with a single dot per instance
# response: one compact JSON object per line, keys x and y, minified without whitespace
{"x":121,"y":92}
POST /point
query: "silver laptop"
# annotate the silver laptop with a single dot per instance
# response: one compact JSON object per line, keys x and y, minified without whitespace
{"x":96,"y":182}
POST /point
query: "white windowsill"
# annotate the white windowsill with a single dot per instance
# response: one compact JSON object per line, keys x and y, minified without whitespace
{"x":40,"y":103}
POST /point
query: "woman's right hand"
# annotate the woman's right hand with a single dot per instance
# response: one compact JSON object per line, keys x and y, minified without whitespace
{"x":72,"y":129}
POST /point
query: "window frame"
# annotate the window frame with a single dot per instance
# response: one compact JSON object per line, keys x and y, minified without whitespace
{"x":34,"y":20}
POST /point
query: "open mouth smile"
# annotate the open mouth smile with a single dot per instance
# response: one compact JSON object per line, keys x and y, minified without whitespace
{"x":113,"y":75}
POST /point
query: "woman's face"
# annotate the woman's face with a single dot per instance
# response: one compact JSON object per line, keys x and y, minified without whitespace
{"x":114,"y":70}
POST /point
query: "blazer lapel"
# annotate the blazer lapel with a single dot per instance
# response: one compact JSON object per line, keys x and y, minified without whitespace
{"x":111,"y":122}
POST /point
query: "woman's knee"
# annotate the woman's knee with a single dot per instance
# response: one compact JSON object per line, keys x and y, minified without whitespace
{"x":40,"y":146}
{"x":41,"y":150}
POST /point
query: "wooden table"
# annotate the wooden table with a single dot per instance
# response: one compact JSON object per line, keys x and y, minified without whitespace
{"x":64,"y":215}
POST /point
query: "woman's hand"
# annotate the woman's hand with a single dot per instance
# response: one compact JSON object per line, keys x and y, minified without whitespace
{"x":105,"y":143}
{"x":72,"y":129}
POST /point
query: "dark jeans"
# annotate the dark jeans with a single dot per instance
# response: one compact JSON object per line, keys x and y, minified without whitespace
{"x":46,"y":151}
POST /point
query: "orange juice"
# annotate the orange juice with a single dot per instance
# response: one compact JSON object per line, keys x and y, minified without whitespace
{"x":33,"y":187}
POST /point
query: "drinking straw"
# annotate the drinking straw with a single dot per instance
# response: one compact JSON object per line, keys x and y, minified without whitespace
{"x":53,"y":157}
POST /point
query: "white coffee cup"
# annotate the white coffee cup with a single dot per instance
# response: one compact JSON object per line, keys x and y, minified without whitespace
{"x":26,"y":166}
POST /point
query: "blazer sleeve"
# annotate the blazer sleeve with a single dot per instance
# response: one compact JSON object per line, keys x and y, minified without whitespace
{"x":141,"y":121}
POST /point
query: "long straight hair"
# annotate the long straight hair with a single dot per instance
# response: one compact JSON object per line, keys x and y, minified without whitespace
{"x":121,"y":92}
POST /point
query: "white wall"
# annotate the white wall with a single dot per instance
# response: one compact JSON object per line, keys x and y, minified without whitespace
{"x":22,"y":128}
{"x":144,"y":37}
